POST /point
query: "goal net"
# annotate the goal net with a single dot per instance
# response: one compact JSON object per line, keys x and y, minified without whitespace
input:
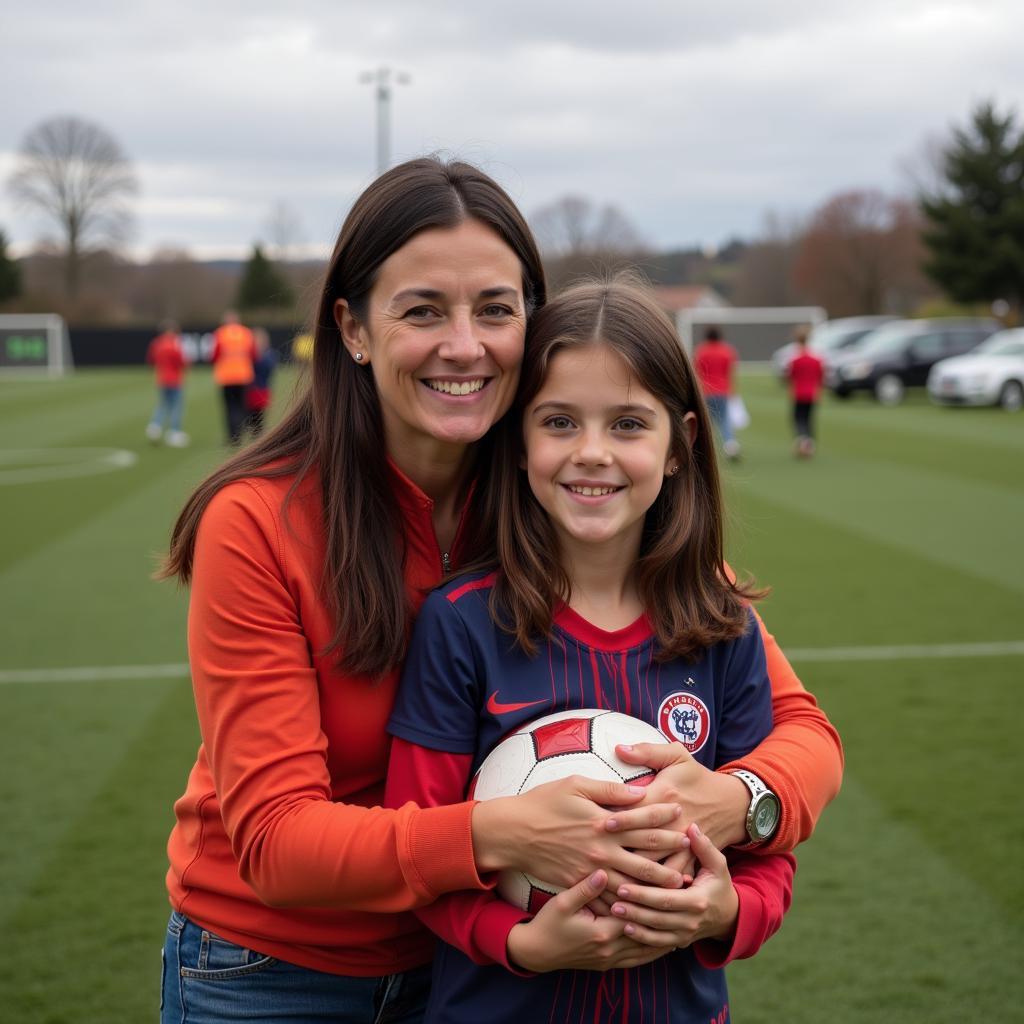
{"x":35,"y":345}
{"x":754,"y":331}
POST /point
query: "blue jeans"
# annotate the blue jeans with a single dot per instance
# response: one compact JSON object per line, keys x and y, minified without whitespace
{"x":168,"y":408}
{"x":718,"y":406}
{"x":208,"y":980}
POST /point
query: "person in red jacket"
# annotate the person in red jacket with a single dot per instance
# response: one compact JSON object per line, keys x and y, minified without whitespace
{"x":309,"y":554}
{"x":806,"y":372}
{"x":715,"y":361}
{"x":167,"y":357}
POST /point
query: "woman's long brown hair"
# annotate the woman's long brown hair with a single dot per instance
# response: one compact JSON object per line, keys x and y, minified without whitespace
{"x":688,"y":595}
{"x":335,"y":428}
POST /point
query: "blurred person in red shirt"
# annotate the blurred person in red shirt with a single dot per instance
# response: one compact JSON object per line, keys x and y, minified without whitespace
{"x":166,"y":355}
{"x":234,"y":352}
{"x":714,"y":361}
{"x":806,"y":372}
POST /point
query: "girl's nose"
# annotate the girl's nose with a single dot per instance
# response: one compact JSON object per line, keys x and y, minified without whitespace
{"x":591,"y":450}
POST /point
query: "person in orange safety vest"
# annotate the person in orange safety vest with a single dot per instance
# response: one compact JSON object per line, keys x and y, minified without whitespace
{"x":234,"y":352}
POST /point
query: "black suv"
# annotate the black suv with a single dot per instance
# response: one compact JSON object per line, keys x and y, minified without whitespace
{"x":899,"y":355}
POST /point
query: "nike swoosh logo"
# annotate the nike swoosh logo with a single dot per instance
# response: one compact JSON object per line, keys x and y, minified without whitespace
{"x":496,"y":708}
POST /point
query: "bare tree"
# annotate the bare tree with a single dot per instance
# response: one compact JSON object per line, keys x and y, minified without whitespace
{"x":284,"y":230}
{"x":578,"y":238}
{"x":75,"y":172}
{"x":574,"y":226}
{"x":861,"y":253}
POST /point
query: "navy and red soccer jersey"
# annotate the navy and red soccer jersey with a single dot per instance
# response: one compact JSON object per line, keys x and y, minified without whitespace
{"x":466,"y":685}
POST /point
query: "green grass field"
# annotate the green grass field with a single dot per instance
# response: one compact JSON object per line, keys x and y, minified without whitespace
{"x":905,"y":532}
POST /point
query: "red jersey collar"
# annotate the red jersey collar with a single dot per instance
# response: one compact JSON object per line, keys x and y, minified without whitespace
{"x":586,"y":632}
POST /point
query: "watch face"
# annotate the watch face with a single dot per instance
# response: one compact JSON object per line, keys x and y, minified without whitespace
{"x":766,"y":816}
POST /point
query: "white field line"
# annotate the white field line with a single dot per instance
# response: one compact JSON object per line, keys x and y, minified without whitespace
{"x":897,"y":652}
{"x":996,"y":649}
{"x":95,"y":674}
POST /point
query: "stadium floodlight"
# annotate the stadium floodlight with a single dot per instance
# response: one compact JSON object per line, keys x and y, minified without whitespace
{"x":755,"y":330}
{"x":382,"y":77}
{"x":34,"y":344}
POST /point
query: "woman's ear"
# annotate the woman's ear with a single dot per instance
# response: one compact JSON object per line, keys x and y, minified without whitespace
{"x":690,"y":428}
{"x":353,"y":334}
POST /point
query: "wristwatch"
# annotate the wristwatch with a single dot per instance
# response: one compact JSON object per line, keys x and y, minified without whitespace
{"x":764,"y":810}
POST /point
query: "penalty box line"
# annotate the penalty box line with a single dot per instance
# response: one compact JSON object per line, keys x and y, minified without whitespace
{"x":894,"y":652}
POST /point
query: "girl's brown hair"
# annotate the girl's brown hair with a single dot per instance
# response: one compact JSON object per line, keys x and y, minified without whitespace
{"x":690,"y":598}
{"x":335,"y":427}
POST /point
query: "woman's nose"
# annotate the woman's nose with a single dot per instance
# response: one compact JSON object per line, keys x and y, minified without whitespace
{"x":461,"y":344}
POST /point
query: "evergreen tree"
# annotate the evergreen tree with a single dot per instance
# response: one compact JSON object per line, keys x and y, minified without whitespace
{"x":10,"y":273}
{"x":262,"y":285}
{"x":976,"y":221}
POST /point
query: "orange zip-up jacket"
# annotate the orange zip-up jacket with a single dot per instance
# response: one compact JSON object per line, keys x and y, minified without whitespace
{"x":281,"y":844}
{"x":234,"y":352}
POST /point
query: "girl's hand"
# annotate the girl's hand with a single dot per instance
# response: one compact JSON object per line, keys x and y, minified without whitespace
{"x":717,"y":801}
{"x":557,"y":832}
{"x":679,"y":917}
{"x":565,"y":935}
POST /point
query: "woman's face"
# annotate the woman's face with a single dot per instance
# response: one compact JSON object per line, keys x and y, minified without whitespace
{"x":442,"y":336}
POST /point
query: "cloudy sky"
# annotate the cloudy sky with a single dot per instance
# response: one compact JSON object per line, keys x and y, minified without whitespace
{"x":695,"y":119}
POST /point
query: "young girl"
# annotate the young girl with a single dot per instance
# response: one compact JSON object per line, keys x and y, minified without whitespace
{"x":606,"y":588}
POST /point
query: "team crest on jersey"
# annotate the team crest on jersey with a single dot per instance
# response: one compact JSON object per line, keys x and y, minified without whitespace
{"x":685,"y":717}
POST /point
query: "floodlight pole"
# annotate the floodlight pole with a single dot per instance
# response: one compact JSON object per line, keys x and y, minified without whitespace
{"x":383,"y":80}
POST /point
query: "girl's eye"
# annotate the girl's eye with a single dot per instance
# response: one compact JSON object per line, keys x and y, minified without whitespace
{"x":558,"y":423}
{"x":419,"y":313}
{"x":628,"y":424}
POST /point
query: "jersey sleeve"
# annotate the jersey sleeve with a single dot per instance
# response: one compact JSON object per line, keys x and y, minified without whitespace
{"x":801,"y":760}
{"x":256,"y":694}
{"x":764,"y":886}
{"x":439,"y":697}
{"x":747,"y":706}
{"x":477,"y":923}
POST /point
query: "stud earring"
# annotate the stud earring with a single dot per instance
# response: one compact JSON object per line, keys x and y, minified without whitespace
{"x":673,"y":471}
{"x":358,"y":357}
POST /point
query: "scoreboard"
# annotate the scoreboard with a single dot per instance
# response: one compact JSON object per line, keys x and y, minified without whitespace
{"x":36,"y":343}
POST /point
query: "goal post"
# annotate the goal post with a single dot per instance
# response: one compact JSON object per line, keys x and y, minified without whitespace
{"x":34,"y":344}
{"x":754,"y":331}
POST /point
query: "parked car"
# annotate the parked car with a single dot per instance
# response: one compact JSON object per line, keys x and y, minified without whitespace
{"x":899,"y":355}
{"x":991,"y":374}
{"x":828,"y":337}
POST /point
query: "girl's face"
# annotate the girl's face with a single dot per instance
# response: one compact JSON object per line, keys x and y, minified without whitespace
{"x":443,"y":335}
{"x":597,"y":448}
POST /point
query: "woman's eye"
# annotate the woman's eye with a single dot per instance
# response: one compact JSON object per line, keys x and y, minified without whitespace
{"x":494,"y":311}
{"x":419,"y":313}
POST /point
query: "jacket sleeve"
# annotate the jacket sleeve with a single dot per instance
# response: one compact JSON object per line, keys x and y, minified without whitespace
{"x":257,"y":700}
{"x":801,"y":760}
{"x":477,"y":923}
{"x":764,"y":886}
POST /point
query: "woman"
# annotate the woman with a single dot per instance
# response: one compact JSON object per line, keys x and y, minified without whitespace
{"x":308,"y":556}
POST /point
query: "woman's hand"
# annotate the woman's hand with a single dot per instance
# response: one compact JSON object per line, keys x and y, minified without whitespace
{"x":717,"y":801}
{"x":565,"y":935}
{"x":678,"y":917}
{"x":557,"y":832}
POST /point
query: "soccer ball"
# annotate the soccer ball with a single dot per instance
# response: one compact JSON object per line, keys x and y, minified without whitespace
{"x":549,"y":748}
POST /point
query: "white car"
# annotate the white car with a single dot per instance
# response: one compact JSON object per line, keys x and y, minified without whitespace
{"x":991,"y":374}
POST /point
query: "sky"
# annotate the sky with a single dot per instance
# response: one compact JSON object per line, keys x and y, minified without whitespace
{"x":698,"y":121}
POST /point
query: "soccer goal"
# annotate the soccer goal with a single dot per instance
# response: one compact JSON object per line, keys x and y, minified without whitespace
{"x":754,"y":331}
{"x":34,"y":344}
